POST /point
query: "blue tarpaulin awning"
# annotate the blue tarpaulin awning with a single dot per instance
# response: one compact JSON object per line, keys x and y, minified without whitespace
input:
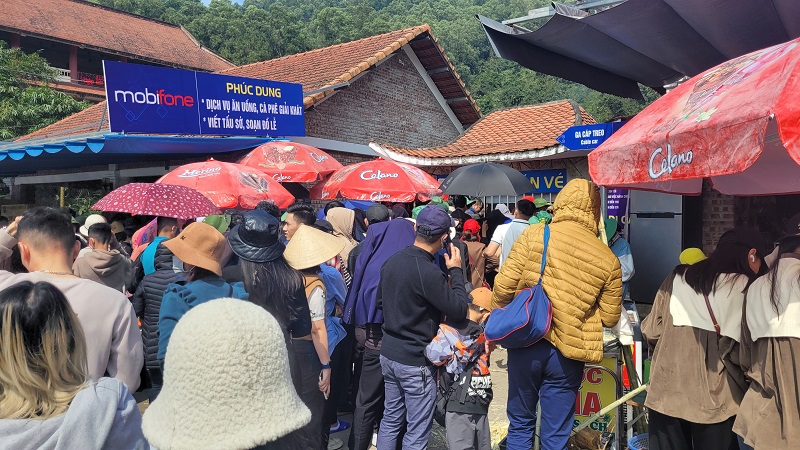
{"x":18,"y":158}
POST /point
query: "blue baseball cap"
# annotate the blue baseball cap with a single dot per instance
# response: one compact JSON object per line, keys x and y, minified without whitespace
{"x":433,"y":221}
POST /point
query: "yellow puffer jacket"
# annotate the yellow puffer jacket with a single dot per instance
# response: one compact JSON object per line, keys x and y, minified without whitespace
{"x":582,"y":277}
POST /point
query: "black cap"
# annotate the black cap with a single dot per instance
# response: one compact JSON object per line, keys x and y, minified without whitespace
{"x":323,"y":225}
{"x":378,"y":213}
{"x":256,"y":238}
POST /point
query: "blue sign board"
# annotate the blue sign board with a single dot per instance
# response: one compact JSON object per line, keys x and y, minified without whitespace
{"x":160,"y":100}
{"x":587,"y":137}
{"x":546,"y":181}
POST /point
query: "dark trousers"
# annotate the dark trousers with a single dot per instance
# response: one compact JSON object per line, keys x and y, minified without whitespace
{"x":369,"y":401}
{"x":671,"y":433}
{"x":306,"y":367}
{"x":540,"y":373}
{"x":156,"y":382}
{"x":341,"y":366}
{"x":357,"y":354}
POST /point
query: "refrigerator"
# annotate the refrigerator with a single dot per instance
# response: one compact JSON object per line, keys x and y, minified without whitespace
{"x":656,"y":237}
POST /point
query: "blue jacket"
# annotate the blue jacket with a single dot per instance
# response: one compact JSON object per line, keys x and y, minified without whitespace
{"x":180,"y":297}
{"x":335,"y":292}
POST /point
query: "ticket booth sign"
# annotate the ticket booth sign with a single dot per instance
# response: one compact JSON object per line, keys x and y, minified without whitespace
{"x":598,"y":390}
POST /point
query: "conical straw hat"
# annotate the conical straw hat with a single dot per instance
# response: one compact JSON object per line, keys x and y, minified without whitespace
{"x":311,"y":247}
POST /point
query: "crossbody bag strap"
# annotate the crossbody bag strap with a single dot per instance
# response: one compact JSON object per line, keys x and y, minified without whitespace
{"x":711,"y":313}
{"x":544,"y":251}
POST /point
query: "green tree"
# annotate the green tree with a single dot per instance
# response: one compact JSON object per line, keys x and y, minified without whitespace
{"x":27,"y":103}
{"x":259,"y":30}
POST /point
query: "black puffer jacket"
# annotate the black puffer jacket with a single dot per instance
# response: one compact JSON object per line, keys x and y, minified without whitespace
{"x":147,"y":302}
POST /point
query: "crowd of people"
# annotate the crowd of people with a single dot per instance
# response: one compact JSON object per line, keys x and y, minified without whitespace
{"x":723,"y":332}
{"x":257,"y":329}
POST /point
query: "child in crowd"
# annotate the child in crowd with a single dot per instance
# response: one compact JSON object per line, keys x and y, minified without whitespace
{"x":462,"y":349}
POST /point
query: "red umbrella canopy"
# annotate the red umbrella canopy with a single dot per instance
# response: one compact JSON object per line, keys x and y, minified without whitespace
{"x":229,"y":185}
{"x":378,"y":181}
{"x":737,"y":124}
{"x":150,"y":199}
{"x":291,"y":162}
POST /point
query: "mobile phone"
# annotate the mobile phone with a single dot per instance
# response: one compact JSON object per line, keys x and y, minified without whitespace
{"x":447,"y":242}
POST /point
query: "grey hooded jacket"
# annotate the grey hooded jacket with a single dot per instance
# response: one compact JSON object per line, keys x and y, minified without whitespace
{"x":103,"y":415}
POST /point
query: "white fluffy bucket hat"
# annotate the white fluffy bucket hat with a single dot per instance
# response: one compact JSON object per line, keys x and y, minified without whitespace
{"x":226,"y":382}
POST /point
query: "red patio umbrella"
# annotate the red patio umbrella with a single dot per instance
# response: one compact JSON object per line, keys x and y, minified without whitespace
{"x":291,"y":162}
{"x":379,"y":181}
{"x":151,"y":199}
{"x":229,"y":185}
{"x":737,"y":124}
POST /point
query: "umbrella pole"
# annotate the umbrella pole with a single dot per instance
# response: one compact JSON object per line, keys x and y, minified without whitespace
{"x":61,"y":196}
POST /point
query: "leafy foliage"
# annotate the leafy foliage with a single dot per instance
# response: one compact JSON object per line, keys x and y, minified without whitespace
{"x":258,"y":30}
{"x":82,"y":200}
{"x":26,"y":107}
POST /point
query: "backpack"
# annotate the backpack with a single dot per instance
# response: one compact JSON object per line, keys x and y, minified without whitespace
{"x":312,"y":282}
{"x":445,"y":386}
{"x":527,"y":319}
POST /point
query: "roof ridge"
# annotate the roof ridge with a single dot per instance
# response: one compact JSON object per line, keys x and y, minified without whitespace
{"x":365,"y":64}
{"x":424,"y":27}
{"x":509,"y":108}
{"x":119,"y":11}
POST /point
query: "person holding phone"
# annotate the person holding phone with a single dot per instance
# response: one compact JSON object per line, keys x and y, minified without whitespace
{"x":415,"y":298}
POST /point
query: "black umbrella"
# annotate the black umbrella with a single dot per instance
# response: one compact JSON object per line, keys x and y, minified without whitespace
{"x":486,"y":179}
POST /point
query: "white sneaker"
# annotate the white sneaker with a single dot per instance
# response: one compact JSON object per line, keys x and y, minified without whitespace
{"x":335,"y":444}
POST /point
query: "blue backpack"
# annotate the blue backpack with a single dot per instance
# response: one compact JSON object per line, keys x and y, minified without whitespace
{"x":526,"y":320}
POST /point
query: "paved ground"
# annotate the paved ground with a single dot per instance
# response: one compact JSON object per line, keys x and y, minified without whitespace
{"x":497,"y":411}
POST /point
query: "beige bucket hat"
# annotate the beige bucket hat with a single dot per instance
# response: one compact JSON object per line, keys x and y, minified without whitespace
{"x":226,"y":382}
{"x":311,"y":247}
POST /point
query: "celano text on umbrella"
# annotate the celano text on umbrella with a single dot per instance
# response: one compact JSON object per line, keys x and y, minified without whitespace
{"x":668,"y":162}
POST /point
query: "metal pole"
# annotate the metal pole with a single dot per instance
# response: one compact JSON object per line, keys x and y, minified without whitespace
{"x":61,"y":196}
{"x":609,"y":408}
{"x":604,"y":201}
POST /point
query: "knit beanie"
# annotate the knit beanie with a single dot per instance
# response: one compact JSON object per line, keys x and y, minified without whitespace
{"x":226,"y":382}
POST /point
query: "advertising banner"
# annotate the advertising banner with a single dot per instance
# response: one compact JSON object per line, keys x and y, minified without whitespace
{"x":598,"y":390}
{"x":161,"y":100}
{"x":547,"y":181}
{"x":617,"y":204}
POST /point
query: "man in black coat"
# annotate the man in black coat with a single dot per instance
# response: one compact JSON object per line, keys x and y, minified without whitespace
{"x":147,"y":304}
{"x":415,"y":297}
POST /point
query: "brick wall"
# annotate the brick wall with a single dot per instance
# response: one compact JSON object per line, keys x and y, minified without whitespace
{"x":719,"y":216}
{"x":390,"y":104}
{"x":350,"y":158}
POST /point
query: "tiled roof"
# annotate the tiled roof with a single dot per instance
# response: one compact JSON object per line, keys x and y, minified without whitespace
{"x":502,"y":133}
{"x":337,"y":64}
{"x":90,"y":120}
{"x":318,"y":69}
{"x":93,"y":26}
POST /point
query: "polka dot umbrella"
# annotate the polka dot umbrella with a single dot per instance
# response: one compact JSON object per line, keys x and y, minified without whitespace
{"x":151,"y":199}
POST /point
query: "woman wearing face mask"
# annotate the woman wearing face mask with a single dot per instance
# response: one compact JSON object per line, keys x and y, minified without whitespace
{"x":695,"y":330}
{"x":200,"y":246}
{"x":769,"y":416}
